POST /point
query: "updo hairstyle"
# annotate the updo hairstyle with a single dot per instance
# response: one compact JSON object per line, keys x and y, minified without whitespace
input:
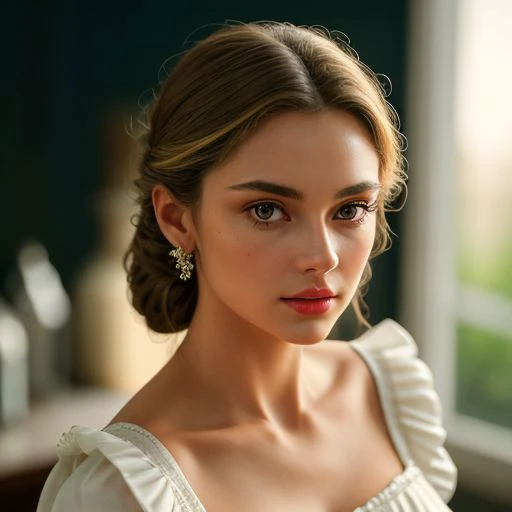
{"x":215,"y":97}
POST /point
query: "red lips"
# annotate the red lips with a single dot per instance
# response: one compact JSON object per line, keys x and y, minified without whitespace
{"x":313,"y":301}
{"x":313,"y":293}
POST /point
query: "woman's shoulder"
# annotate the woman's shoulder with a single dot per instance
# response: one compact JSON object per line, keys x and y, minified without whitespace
{"x":99,"y":470}
{"x":409,"y":401}
{"x":150,"y":406}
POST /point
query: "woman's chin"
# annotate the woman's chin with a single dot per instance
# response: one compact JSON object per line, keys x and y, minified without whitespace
{"x":309,"y":336}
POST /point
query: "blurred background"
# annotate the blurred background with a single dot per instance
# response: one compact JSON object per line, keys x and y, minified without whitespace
{"x":74,"y":74}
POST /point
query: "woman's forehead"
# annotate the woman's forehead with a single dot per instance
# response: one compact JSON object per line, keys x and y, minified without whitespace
{"x":300,"y":150}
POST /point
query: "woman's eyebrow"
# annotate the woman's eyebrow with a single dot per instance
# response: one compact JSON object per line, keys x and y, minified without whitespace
{"x":358,"y":188}
{"x":282,"y":190}
{"x":272,"y":188}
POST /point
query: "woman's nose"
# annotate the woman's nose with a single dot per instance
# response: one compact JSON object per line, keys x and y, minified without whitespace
{"x":317,"y":252}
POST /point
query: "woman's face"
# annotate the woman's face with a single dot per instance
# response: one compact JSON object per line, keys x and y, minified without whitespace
{"x":286,"y":225}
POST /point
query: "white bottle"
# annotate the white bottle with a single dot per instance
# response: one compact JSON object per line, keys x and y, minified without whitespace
{"x":44,"y":307}
{"x":14,"y":388}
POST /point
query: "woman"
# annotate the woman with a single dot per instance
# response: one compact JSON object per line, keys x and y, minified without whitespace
{"x":269,"y":160}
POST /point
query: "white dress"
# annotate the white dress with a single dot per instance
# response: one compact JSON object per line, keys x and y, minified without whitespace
{"x":124,"y":468}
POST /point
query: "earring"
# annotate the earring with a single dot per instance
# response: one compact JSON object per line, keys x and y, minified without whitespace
{"x":183,"y":262}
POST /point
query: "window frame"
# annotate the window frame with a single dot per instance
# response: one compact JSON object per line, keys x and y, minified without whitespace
{"x":429,"y":289}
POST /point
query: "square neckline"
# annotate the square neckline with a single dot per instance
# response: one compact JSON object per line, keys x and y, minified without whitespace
{"x":173,"y":472}
{"x":163,"y":459}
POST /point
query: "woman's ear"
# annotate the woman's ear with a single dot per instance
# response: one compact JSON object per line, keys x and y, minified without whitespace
{"x":174,"y":219}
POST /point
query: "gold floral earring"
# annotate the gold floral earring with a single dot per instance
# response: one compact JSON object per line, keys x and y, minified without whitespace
{"x":183,"y":262}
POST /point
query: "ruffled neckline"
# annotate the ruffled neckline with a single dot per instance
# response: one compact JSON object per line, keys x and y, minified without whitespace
{"x":183,"y":491}
{"x":411,"y":406}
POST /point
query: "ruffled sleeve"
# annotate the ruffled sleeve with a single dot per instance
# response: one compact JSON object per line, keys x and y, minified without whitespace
{"x":101,"y":472}
{"x":410,"y":403}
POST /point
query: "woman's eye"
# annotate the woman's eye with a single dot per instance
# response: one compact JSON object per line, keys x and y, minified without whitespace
{"x":267,"y":212}
{"x":353,"y":211}
{"x":348,"y":211}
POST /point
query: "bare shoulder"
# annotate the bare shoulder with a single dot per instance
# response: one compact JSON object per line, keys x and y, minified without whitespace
{"x":354,"y":385}
{"x":148,"y":406}
{"x":138,"y":410}
{"x":162,"y":406}
{"x":355,"y":399}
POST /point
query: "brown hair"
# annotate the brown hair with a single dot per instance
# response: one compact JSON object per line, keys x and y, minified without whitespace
{"x":215,"y":97}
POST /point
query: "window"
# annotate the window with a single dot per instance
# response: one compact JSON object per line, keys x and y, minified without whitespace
{"x":457,"y":279}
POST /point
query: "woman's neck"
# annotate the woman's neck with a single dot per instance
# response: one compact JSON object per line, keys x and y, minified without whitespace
{"x":240,"y":373}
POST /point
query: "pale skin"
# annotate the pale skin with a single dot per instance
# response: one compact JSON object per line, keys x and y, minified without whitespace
{"x":260,"y":412}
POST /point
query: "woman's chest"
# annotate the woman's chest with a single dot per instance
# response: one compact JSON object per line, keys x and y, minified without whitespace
{"x":330,"y":475}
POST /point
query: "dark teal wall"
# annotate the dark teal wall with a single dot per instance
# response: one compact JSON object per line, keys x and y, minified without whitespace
{"x":68,"y":62}
{"x":65,"y":62}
